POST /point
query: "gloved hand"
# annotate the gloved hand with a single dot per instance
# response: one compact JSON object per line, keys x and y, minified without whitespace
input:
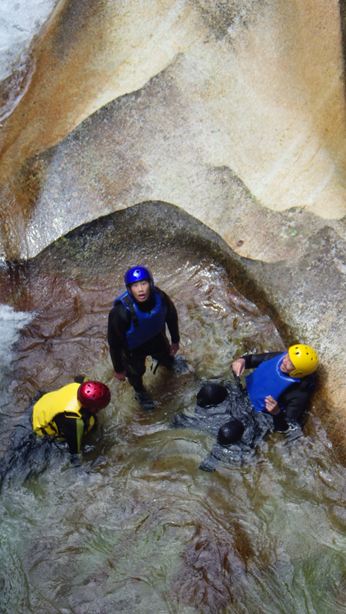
{"x":154,"y":365}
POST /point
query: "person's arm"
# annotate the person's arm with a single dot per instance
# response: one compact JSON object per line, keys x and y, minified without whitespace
{"x":118,"y":322}
{"x":172,"y":319}
{"x":294,"y":401}
{"x":254,"y":360}
{"x":250,"y":361}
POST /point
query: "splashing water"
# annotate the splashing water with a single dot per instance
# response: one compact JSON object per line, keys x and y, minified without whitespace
{"x":20,"y":22}
{"x":11,"y":323}
{"x":139,"y":527}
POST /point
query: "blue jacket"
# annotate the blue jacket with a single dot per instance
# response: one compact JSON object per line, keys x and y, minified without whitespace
{"x":144,"y":324}
{"x":267,"y":379}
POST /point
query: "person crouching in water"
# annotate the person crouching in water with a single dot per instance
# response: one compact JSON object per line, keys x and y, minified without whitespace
{"x":229,"y":447}
{"x":136,"y":329}
{"x":69,"y":413}
{"x":281,"y":383}
{"x":63,"y":415}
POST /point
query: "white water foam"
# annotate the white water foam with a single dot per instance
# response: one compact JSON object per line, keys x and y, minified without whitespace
{"x":20,"y":21}
{"x":11,"y":323}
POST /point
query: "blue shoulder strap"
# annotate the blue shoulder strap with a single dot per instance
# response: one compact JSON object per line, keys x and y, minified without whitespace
{"x":129,"y":305}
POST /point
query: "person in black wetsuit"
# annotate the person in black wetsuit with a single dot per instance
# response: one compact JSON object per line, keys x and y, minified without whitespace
{"x":281,"y":383}
{"x":137,"y":329}
{"x":276,"y":397}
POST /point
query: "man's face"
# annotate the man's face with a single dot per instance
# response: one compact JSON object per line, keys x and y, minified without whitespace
{"x":140,"y":290}
{"x":286,"y":366}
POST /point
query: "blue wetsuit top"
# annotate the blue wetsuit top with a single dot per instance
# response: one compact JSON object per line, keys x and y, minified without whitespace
{"x":144,"y":324}
{"x":268,"y":379}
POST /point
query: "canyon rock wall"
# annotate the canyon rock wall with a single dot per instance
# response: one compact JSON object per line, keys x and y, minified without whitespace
{"x":234,"y":112}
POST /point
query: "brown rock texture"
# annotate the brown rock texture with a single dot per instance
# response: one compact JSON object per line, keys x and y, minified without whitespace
{"x":233,"y":112}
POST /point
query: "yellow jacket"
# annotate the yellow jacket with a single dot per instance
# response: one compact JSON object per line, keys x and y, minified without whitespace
{"x":64,"y":400}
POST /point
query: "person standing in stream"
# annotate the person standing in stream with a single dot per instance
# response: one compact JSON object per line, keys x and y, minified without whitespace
{"x":137,"y":329}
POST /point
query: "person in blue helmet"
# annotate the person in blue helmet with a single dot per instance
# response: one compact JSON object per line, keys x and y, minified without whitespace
{"x":137,"y":329}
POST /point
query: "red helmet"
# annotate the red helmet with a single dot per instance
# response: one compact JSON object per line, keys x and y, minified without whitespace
{"x":93,"y":395}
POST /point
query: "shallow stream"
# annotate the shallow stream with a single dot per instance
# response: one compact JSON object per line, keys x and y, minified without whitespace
{"x":139,"y":527}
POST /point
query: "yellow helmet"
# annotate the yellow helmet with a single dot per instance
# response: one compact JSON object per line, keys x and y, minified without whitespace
{"x":304,"y":358}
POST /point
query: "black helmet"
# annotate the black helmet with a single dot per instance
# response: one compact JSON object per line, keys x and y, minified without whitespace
{"x":211,"y":394}
{"x":230,"y":432}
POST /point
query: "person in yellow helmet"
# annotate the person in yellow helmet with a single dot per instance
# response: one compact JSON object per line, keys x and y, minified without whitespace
{"x":281,"y":383}
{"x":275,"y":398}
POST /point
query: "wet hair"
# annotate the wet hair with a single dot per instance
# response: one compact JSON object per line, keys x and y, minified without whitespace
{"x":230,"y":432}
{"x":211,"y":394}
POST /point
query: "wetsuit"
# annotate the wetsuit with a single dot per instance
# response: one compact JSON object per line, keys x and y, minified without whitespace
{"x":209,"y":419}
{"x":51,"y":418}
{"x":294,"y":400}
{"x":126,"y":355}
{"x":59,"y":415}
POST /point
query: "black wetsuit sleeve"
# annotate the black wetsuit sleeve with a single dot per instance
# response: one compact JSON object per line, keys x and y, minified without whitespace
{"x":171,"y":318}
{"x":294,"y":401}
{"x":119,"y":320}
{"x":254,"y":360}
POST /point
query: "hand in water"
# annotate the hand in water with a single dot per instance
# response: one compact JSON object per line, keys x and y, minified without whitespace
{"x":238,"y":366}
{"x":208,"y":464}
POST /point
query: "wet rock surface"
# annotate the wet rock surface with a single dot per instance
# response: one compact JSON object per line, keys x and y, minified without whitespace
{"x":223,"y":112}
{"x":138,"y":526}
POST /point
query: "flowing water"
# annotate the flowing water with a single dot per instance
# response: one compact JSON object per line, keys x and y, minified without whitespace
{"x":20,"y":22}
{"x":139,"y":527}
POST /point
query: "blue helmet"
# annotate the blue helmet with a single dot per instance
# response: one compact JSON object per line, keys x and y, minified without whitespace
{"x":138,"y":273}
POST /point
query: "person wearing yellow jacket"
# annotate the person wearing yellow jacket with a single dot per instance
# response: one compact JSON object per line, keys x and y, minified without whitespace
{"x":68,"y":413}
{"x":64,"y":415}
